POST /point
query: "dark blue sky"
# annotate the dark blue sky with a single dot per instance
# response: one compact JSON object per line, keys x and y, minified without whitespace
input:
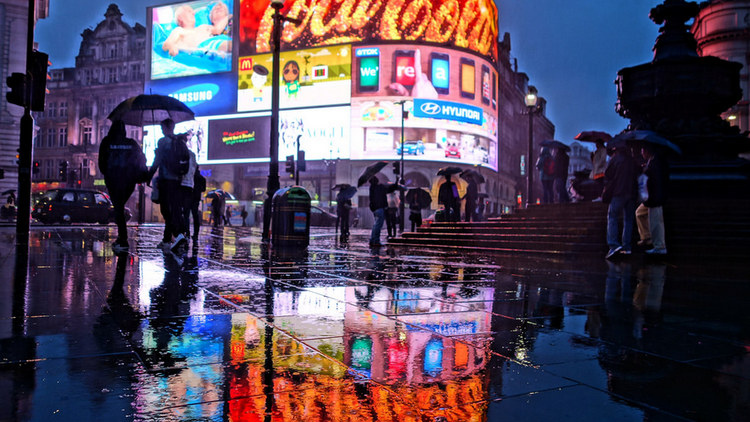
{"x":570,"y":49}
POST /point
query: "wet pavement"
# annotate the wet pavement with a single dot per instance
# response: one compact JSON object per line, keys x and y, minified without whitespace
{"x":346,"y":333}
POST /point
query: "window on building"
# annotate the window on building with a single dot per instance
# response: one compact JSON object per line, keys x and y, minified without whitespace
{"x":51,"y":138}
{"x":109,"y":106}
{"x":86,"y":167}
{"x":135,"y":72}
{"x":49,"y":169}
{"x":87,"y":109}
{"x":112,"y":51}
{"x":51,"y":109}
{"x":112,"y":75}
{"x":134,"y":133}
{"x":59,"y":167}
{"x":87,"y":77}
{"x":62,"y":137}
{"x":39,"y":140}
{"x":86,"y":132}
{"x":63,"y":109}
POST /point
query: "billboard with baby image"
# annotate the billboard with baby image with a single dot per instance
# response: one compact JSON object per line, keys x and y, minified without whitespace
{"x":310,"y":77}
{"x":191,"y":38}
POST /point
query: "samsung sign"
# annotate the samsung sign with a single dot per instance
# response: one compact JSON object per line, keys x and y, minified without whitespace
{"x":448,"y":110}
{"x":196,"y":94}
{"x":206,"y":95}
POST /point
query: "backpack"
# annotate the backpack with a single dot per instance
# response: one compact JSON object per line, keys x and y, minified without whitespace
{"x":549,"y":166}
{"x":127,"y":160}
{"x":177,"y":160}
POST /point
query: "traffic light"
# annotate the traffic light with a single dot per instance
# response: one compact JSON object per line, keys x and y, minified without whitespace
{"x":39,"y":76}
{"x":396,"y":167}
{"x":36,"y":167}
{"x":17,"y":160}
{"x":290,"y":164}
{"x":301,"y":163}
{"x":17,"y":94}
{"x":64,"y":171}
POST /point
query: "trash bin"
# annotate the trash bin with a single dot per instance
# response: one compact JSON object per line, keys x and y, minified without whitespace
{"x":290,"y":225}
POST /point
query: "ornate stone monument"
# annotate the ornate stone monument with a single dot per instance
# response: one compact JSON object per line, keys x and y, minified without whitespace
{"x":680,"y":96}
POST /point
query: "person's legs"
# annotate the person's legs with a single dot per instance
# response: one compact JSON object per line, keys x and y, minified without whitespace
{"x":379,"y":215}
{"x":119,"y":193}
{"x":547,"y":196}
{"x":613,"y":232}
{"x":345,"y":223}
{"x":197,"y":217}
{"x":628,"y":221}
{"x":656,"y":222}
{"x":562,"y":190}
{"x":390,"y":222}
{"x":642,"y":219}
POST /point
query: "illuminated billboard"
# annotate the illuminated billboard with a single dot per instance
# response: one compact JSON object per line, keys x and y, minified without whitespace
{"x":310,"y":77}
{"x":191,"y":38}
{"x":466,"y":24}
{"x":206,"y":95}
{"x":448,"y":99}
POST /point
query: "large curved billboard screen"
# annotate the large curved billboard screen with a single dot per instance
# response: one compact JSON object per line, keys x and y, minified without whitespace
{"x":466,"y":24}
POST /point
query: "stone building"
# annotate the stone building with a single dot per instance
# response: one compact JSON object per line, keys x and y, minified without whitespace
{"x":14,"y":16}
{"x":109,"y":68}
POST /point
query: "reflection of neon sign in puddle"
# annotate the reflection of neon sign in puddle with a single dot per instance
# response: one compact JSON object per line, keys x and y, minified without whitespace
{"x":196,"y":94}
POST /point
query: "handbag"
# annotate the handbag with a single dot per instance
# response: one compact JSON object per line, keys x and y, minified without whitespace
{"x":642,"y":188}
{"x":155,"y":191}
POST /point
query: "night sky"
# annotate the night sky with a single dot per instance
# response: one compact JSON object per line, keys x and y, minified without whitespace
{"x":571,"y":49}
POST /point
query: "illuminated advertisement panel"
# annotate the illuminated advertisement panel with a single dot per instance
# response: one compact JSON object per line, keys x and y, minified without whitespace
{"x":469,"y":24}
{"x":245,"y":137}
{"x":205,"y":95}
{"x":310,"y":77}
{"x":449,"y":112}
{"x":191,"y":38}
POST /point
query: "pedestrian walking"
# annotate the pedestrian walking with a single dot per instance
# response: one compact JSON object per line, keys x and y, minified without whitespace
{"x":243,"y":215}
{"x":216,"y":214}
{"x":470,"y":201}
{"x":650,"y":216}
{"x":546,"y":166}
{"x":343,"y":209}
{"x":562,"y":162}
{"x":123,"y":164}
{"x":391,"y":216}
{"x":194,"y":184}
{"x":621,"y":178}
{"x":448,"y":196}
{"x":228,"y":216}
{"x":378,"y":205}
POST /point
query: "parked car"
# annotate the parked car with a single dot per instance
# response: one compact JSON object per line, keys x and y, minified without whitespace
{"x":67,"y":206}
{"x":321,"y":218}
{"x":452,"y":151}
{"x":411,"y":147}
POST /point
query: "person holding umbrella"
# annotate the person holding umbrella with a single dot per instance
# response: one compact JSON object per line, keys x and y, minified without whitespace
{"x":562,"y":162}
{"x":378,"y":205}
{"x":546,"y":166}
{"x":343,"y":208}
{"x":448,"y":195}
{"x":621,"y":186}
{"x":599,"y":162}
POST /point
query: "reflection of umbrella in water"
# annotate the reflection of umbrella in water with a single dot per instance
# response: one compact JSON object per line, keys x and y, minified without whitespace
{"x":347,"y":192}
{"x":555,"y":144}
{"x":418,"y":196}
{"x":151,"y":109}
{"x":447,"y":171}
{"x":370,"y":172}
{"x":391,"y":187}
{"x":634,"y":137}
{"x":593,"y":136}
{"x":471,"y":174}
{"x":221,"y":194}
{"x":9,"y":192}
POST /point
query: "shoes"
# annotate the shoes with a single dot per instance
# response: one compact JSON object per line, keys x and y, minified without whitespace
{"x":624,"y":252}
{"x":646,"y":242}
{"x":655,"y":251}
{"x":599,"y":199}
{"x":178,"y":241}
{"x":120,"y":246}
{"x":612,"y":252}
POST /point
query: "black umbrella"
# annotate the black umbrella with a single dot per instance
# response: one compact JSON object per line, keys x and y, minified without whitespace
{"x":221,"y":194}
{"x":555,"y":144}
{"x":371,"y":171}
{"x":393,"y":187}
{"x":8,"y":192}
{"x":634,"y":137}
{"x":346,"y":192}
{"x":447,"y":171}
{"x":151,"y":109}
{"x":418,"y":196}
{"x":471,"y":174}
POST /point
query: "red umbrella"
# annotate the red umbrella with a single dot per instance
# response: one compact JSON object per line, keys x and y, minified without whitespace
{"x":593,"y":136}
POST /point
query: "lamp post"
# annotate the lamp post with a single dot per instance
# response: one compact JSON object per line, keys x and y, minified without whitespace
{"x":530,"y":100}
{"x":401,"y":180}
{"x":273,"y":168}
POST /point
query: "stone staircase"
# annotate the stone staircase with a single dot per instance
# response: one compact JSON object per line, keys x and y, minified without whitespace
{"x":719,"y":230}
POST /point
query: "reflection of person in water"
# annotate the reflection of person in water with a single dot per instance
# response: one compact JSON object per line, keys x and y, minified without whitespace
{"x":187,"y":37}
{"x":291,"y":78}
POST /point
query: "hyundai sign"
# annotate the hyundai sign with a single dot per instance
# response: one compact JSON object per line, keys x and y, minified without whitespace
{"x":447,"y":110}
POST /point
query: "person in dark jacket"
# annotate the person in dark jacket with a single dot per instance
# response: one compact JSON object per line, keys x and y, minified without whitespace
{"x":123,"y":164}
{"x":471,"y":196}
{"x":546,"y":166}
{"x":448,"y":196}
{"x":652,"y":229}
{"x":621,"y":186}
{"x":562,"y":162}
{"x":378,"y":205}
{"x":170,"y":193}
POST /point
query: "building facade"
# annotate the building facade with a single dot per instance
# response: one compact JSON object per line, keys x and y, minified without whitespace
{"x":109,"y":68}
{"x":14,"y":16}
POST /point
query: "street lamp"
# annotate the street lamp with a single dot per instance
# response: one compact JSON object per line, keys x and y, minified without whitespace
{"x":401,"y":180}
{"x":532,"y":108}
{"x":273,"y":168}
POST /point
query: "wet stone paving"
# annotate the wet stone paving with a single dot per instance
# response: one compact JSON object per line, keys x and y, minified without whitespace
{"x":348,"y":333}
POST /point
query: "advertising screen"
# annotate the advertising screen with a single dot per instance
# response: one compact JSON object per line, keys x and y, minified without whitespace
{"x":449,"y":116}
{"x":191,"y":38}
{"x":311,"y":77}
{"x":245,"y":137}
{"x":468,"y":24}
{"x":205,"y":95}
